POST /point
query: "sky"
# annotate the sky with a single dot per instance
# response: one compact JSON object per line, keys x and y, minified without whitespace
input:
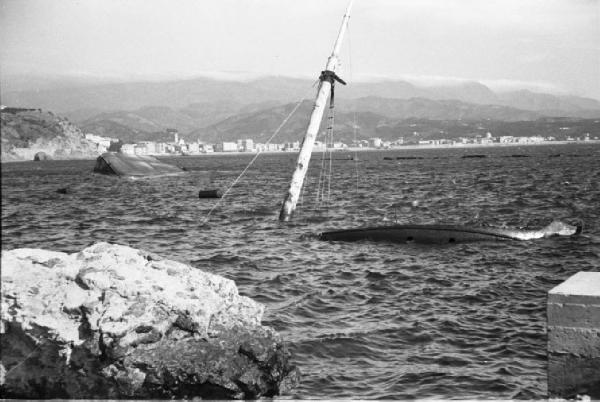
{"x":544,"y":45}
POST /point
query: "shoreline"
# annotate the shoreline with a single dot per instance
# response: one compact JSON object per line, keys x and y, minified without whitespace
{"x":398,"y":148}
{"x":352,"y":149}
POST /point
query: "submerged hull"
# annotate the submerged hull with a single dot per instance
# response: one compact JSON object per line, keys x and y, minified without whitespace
{"x":133,"y":165}
{"x":428,"y":234}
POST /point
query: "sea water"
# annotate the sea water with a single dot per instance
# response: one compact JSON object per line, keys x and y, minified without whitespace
{"x":363,"y":320}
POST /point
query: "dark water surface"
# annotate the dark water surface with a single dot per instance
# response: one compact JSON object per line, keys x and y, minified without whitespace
{"x":363,"y":320}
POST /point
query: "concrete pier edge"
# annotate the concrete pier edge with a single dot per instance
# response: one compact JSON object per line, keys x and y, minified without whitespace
{"x":573,"y":311}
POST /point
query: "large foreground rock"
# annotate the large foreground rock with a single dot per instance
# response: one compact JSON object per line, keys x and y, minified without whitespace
{"x":115,"y":322}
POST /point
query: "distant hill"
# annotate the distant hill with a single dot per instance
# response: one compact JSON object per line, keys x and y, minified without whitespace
{"x":424,"y":108}
{"x":179,"y":94}
{"x":413,"y":130}
{"x":261,"y":125}
{"x":374,"y":116}
{"x":28,"y":131}
{"x":173,"y":94}
{"x":381,"y":117}
{"x":127,"y":134}
{"x":152,"y":121}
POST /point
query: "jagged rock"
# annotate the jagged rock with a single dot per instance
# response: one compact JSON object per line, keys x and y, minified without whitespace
{"x":27,"y":132}
{"x":116,"y":322}
{"x":41,"y":156}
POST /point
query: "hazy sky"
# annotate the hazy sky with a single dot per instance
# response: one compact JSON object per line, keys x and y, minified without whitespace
{"x":549,"y":45}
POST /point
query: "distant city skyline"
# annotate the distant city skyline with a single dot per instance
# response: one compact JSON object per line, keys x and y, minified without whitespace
{"x":543,"y":45}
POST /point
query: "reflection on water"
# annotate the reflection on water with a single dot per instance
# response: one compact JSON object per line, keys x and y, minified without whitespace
{"x":363,"y":320}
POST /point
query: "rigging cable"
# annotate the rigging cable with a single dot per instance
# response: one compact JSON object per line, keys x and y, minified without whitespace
{"x":354,"y":125}
{"x":330,"y":130}
{"x":325,"y":172}
{"x":320,"y":181}
{"x":252,"y":161}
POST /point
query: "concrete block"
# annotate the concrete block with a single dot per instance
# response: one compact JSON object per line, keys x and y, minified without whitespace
{"x":581,"y":288}
{"x":574,"y":337}
{"x":576,"y":341}
{"x":571,"y":376}
{"x":574,"y":315}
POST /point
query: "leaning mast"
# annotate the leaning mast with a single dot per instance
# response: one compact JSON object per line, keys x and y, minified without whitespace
{"x":326,"y":82}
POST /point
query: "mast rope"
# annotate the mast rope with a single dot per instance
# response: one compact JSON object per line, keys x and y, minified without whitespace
{"x":325,"y":172}
{"x":317,"y":199}
{"x":330,"y":129}
{"x":354,"y":123}
{"x":220,"y":201}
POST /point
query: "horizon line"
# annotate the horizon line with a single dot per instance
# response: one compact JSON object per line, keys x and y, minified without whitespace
{"x":501,"y":85}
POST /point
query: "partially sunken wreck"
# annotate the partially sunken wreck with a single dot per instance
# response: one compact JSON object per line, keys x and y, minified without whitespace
{"x":133,"y":165}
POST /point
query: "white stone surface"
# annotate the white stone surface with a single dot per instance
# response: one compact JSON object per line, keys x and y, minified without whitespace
{"x":580,"y":284}
{"x":113,"y":322}
{"x":119,"y":289}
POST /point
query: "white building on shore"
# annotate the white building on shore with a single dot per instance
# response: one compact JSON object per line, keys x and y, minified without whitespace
{"x":128,"y":149}
{"x":226,"y":147}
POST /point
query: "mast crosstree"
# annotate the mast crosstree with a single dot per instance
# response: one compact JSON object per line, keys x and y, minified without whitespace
{"x":326,"y":82}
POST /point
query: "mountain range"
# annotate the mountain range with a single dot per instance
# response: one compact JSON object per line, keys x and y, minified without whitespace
{"x":181,"y":93}
{"x":413,"y":119}
{"x":218,"y":110}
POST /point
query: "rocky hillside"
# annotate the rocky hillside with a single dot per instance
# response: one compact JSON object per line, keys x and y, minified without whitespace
{"x":26,"y":132}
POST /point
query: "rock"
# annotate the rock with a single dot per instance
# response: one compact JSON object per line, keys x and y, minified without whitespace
{"x":41,"y":156}
{"x":27,"y":132}
{"x":115,"y":322}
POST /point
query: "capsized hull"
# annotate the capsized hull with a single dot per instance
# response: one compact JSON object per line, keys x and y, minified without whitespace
{"x":119,"y":164}
{"x":432,"y":234}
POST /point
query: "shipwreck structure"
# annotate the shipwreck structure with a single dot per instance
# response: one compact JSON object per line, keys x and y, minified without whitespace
{"x":113,"y":163}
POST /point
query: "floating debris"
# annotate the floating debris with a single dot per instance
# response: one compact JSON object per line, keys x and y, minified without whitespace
{"x":41,"y":156}
{"x":210,"y":194}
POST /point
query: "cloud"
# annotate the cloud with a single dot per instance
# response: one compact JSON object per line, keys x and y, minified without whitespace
{"x":500,"y":85}
{"x":540,"y":41}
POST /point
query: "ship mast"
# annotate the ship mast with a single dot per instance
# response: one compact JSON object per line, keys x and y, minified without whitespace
{"x":326,"y":81}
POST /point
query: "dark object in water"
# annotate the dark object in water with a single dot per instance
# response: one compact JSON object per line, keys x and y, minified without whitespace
{"x":63,"y":190}
{"x":388,"y":158}
{"x":474,"y":156}
{"x":133,"y":165}
{"x":555,"y":155}
{"x":210,"y":194}
{"x":42,"y":156}
{"x":519,"y":156}
{"x":442,"y":234}
{"x":409,"y":157}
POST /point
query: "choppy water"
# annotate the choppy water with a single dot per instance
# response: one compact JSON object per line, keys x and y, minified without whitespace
{"x":363,"y":320}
